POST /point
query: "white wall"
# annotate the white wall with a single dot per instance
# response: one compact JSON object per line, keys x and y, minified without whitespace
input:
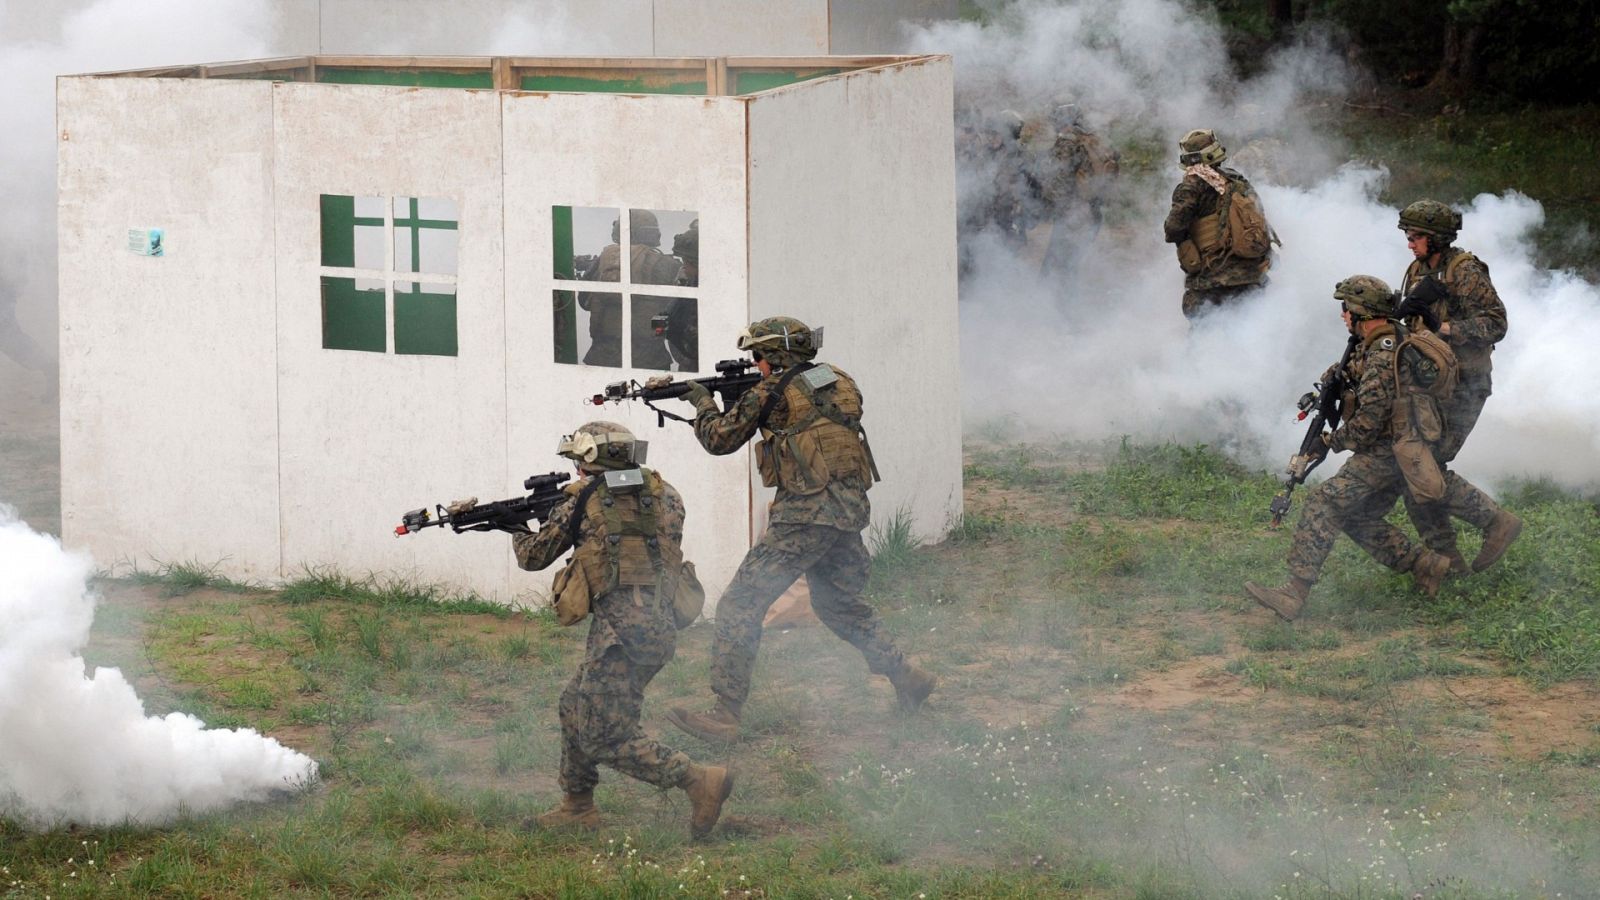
{"x":169,"y":413}
{"x":852,"y":227}
{"x":860,"y":26}
{"x":367,"y":436}
{"x":619,"y":27}
{"x":606,"y":150}
{"x":740,"y":27}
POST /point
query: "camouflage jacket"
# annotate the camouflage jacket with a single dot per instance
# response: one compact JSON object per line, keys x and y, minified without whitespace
{"x":1085,"y":166}
{"x":643,"y":628}
{"x":1472,"y":306}
{"x":1191,"y":200}
{"x":1369,"y":396}
{"x":842,"y":504}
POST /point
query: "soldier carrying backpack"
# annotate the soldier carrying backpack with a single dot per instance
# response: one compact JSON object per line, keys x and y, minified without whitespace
{"x":1219,"y":226}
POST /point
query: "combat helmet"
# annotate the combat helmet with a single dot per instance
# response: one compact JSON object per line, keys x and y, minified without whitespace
{"x":643,"y":228}
{"x":782,"y":340}
{"x":1431,"y":218}
{"x":600,"y":445}
{"x":1010,"y":122}
{"x":1365,"y":296}
{"x":1201,"y":147}
{"x":686,"y":244}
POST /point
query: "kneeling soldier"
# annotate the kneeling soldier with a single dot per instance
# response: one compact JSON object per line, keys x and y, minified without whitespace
{"x":624,"y":524}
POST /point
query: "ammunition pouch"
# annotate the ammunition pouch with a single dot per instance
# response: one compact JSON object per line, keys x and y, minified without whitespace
{"x":1206,"y":233}
{"x":1189,"y":257}
{"x":569,"y":593}
{"x":689,"y":600}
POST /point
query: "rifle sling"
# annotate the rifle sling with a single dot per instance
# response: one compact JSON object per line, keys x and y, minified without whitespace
{"x":777,"y":392}
{"x":576,"y":522}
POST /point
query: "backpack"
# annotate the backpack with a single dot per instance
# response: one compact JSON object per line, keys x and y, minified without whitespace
{"x":1245,"y":232}
{"x":1425,"y":373}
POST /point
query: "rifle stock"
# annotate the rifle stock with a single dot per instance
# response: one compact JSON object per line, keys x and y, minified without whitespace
{"x":511,"y":515}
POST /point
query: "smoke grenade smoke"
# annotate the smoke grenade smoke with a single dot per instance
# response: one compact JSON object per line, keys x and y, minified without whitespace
{"x":77,"y":747}
{"x":1101,"y":349}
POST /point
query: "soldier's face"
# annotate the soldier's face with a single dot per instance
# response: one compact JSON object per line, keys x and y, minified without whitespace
{"x":1417,"y":242}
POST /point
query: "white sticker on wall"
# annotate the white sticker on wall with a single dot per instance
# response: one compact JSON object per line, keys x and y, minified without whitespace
{"x":146,"y":242}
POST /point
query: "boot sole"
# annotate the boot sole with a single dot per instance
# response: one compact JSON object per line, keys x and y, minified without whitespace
{"x":1479,"y":564}
{"x":911,"y":703}
{"x":709,"y":737}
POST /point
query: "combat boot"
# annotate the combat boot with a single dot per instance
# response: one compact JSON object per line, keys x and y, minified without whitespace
{"x":718,"y":725}
{"x":708,"y":788}
{"x":575,"y":811}
{"x":1286,"y":601}
{"x":1496,"y":538}
{"x":1429,"y":572}
{"x":912,"y":686}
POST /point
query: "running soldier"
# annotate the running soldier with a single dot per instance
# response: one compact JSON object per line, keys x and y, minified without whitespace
{"x":1214,"y":273}
{"x":625,"y":533}
{"x":814,"y":452}
{"x":1448,"y":289}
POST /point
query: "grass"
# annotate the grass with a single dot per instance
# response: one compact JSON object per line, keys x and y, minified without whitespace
{"x":1113,"y":721}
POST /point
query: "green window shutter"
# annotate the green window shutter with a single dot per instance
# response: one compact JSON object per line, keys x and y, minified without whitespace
{"x":425,"y":319}
{"x":352,"y":318}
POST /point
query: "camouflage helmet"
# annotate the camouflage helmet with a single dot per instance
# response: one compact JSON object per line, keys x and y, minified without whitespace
{"x":600,"y":445}
{"x":1365,"y":296}
{"x":1432,"y":218}
{"x":686,"y":244}
{"x":782,"y":340}
{"x":1201,"y":147}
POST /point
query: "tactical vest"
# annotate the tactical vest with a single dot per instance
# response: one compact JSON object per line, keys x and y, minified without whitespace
{"x":1237,"y":227}
{"x":629,"y":550}
{"x":823,"y":439}
{"x":1453,"y":259}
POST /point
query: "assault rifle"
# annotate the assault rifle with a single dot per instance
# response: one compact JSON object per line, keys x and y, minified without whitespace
{"x":733,"y":378}
{"x":511,"y":515}
{"x":1327,"y":402}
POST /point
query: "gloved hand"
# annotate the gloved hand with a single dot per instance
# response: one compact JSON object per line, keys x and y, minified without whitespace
{"x":457,"y":507}
{"x":1419,"y":303}
{"x":699,"y":396}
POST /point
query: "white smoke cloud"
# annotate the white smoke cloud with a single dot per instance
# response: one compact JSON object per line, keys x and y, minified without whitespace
{"x":76,"y":747}
{"x":1106,"y":351}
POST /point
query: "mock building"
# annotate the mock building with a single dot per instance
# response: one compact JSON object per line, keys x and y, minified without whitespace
{"x":302,"y":296}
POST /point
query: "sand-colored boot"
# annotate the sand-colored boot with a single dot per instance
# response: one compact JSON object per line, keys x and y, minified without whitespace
{"x":1429,"y":572}
{"x":708,"y":788}
{"x":1496,"y":538}
{"x":575,"y":811}
{"x":912,"y":686}
{"x":1286,"y":601}
{"x":718,"y":725}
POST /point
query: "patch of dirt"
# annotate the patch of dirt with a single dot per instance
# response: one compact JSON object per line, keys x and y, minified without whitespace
{"x":1523,"y":722}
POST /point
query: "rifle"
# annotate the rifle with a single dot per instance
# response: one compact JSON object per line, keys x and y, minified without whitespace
{"x":511,"y":516}
{"x":733,"y":378}
{"x":1327,"y":400}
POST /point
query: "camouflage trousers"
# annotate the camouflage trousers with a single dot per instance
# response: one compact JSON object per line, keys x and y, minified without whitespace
{"x":1198,"y":301}
{"x":1462,"y":499}
{"x":836,"y":565}
{"x":600,"y":724}
{"x":1355,"y":501}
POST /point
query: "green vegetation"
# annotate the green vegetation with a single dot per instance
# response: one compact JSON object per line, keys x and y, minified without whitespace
{"x":1114,"y":720}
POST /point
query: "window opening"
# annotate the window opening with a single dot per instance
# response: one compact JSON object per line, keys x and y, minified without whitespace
{"x":389,"y":259}
{"x":661,"y":248}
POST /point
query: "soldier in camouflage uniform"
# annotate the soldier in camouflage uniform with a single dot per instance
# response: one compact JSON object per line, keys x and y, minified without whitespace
{"x":1081,"y":178}
{"x":647,"y":265}
{"x":1358,"y":497}
{"x":814,"y":452}
{"x":631,"y":632}
{"x":1212,"y":277}
{"x":1448,"y":287}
